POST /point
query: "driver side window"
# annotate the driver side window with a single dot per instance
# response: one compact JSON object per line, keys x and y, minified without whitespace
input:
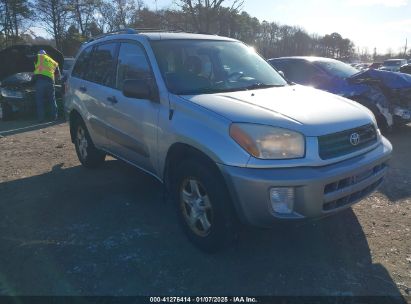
{"x":132,"y":64}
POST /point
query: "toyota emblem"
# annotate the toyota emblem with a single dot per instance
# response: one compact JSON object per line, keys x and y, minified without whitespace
{"x":355,"y":139}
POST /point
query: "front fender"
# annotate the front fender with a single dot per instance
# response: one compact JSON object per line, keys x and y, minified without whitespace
{"x":199,"y":128}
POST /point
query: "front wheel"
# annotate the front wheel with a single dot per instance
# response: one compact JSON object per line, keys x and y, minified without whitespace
{"x":204,"y":207}
{"x":87,"y":153}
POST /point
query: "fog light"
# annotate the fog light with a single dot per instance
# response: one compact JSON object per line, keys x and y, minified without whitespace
{"x":282,"y":200}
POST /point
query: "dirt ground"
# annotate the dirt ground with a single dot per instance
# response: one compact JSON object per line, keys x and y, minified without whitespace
{"x":67,"y":230}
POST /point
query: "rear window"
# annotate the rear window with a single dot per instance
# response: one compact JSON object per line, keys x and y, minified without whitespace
{"x":82,"y":63}
{"x":103,"y":64}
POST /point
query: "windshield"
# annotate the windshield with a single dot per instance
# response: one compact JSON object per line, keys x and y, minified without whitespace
{"x":392,"y":62}
{"x":337,"y":68}
{"x":207,"y":66}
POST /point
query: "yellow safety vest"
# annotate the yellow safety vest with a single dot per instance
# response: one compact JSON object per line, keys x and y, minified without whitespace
{"x":45,"y":65}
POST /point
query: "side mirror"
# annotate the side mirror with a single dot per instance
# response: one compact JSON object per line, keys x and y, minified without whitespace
{"x":281,"y":73}
{"x":139,"y":88}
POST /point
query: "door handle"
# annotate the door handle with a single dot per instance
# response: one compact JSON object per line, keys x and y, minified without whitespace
{"x":83,"y":89}
{"x":112,"y":99}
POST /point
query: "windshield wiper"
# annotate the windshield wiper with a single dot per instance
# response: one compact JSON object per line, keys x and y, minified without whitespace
{"x":260,"y":85}
{"x":254,"y":86}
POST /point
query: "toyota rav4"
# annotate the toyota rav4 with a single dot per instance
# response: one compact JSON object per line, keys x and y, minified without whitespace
{"x":229,"y":137}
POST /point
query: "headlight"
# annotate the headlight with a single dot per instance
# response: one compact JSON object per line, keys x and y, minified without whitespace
{"x":268,"y":142}
{"x":6,"y":93}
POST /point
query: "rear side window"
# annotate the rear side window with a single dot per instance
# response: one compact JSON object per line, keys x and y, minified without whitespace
{"x":103,"y":65}
{"x":82,"y":63}
{"x":278,"y":65}
{"x":299,"y":71}
{"x":132,"y":63}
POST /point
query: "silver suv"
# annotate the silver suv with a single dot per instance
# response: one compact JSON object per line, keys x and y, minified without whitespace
{"x":229,"y":138}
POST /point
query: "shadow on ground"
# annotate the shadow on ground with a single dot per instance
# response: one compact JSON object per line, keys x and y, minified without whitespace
{"x":108,"y":232}
{"x":398,"y":181}
{"x":12,"y":127}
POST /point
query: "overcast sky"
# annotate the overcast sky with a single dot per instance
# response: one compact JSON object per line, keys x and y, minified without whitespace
{"x":369,"y":23}
{"x":380,"y":24}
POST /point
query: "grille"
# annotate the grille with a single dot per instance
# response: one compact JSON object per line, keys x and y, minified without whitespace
{"x":352,"y":180}
{"x":349,"y":199}
{"x":338,"y":144}
{"x":344,"y":185}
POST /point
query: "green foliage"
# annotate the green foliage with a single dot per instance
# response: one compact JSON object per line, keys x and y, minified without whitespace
{"x":71,"y":41}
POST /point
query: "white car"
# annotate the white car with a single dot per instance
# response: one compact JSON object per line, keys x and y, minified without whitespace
{"x":393,"y":65}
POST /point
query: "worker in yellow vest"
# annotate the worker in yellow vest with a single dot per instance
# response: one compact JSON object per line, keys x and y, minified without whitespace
{"x":44,"y":70}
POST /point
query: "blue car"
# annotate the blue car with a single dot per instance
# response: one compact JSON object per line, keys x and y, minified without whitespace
{"x":386,"y":94}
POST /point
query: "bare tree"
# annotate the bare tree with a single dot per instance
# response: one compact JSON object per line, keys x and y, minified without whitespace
{"x":53,"y":15}
{"x":203,"y":13}
{"x":117,"y":14}
{"x":84,"y":14}
{"x":14,"y":16}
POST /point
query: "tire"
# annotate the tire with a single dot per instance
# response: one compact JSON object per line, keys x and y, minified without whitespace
{"x":87,"y":153}
{"x":204,"y":208}
{"x":5,"y":111}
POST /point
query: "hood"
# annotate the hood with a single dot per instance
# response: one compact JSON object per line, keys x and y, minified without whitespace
{"x":20,"y":58}
{"x":19,"y":80}
{"x":340,"y":86}
{"x":304,"y":109}
{"x":388,"y":79}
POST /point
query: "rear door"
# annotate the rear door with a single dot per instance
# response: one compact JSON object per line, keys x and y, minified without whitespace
{"x":133,"y":122}
{"x":97,"y":81}
{"x":80,"y":92}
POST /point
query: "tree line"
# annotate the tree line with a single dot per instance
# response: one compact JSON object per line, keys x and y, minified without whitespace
{"x":71,"y":22}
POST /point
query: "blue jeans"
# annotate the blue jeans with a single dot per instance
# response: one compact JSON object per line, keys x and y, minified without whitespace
{"x":45,"y":94}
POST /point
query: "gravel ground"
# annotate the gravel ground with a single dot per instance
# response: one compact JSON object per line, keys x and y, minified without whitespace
{"x":67,"y":230}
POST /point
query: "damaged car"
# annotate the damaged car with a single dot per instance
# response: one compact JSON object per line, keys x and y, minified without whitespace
{"x":17,"y":86}
{"x":406,"y":69}
{"x":386,"y":94}
{"x":17,"y":95}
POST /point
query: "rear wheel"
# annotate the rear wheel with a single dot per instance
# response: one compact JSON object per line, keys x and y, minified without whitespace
{"x":204,"y":207}
{"x":87,"y":153}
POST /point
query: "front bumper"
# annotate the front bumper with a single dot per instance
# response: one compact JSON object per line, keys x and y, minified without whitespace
{"x":318,"y":191}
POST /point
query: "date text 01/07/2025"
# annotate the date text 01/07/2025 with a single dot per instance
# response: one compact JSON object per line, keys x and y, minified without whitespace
{"x":203,"y":300}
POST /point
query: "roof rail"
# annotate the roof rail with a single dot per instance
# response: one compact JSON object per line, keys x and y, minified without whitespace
{"x":122,"y":31}
{"x":166,"y":30}
{"x":137,"y":31}
{"x":148,"y":29}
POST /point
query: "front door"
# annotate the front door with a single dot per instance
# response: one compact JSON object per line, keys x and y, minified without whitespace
{"x":133,"y":122}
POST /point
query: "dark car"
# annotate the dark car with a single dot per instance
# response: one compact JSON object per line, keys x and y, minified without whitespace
{"x":375,"y":65}
{"x":17,"y":95}
{"x":386,"y":94}
{"x":16,"y":79}
{"x":406,"y":69}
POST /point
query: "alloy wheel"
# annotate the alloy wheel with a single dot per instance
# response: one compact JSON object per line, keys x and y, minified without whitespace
{"x":196,"y":207}
{"x":82,"y":142}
